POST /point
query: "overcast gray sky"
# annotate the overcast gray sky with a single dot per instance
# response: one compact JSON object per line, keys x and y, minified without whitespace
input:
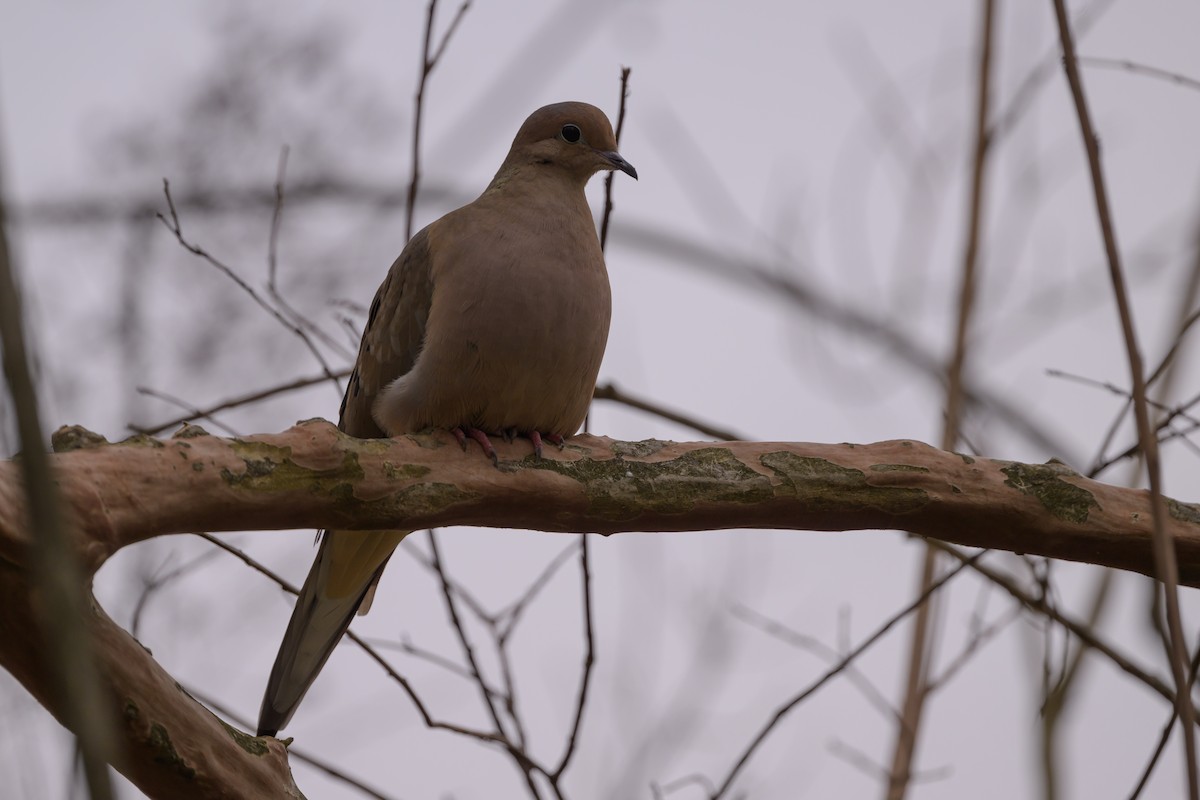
{"x":825,"y":142}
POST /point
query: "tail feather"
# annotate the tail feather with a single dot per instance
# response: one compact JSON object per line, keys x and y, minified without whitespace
{"x":316,"y":627}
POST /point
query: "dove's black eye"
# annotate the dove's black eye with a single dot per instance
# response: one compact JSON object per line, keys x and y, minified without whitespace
{"x":571,"y":133}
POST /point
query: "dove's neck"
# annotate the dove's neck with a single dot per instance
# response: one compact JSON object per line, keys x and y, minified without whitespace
{"x":537,"y":188}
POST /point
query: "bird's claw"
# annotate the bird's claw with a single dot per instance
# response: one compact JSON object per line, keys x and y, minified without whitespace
{"x":463,"y":432}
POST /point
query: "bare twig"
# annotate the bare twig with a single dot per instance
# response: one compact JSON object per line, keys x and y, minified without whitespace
{"x":812,"y":644}
{"x":921,"y":646}
{"x":1026,"y":91}
{"x":294,"y":317}
{"x":459,"y":590}
{"x":833,"y":672}
{"x":225,"y":405}
{"x":56,"y":572}
{"x":276,"y":220}
{"x":1164,"y":550}
{"x":428,"y":62}
{"x":193,"y":412}
{"x":153,"y":583}
{"x":1125,"y":65}
{"x":371,"y":652}
{"x":518,"y":754}
{"x":1042,"y":607}
{"x":608,"y":180}
{"x":173,"y":226}
{"x":588,"y":661}
{"x":1163,"y":738}
{"x":408,"y":648}
{"x":609,"y":391}
{"x":1112,"y":388}
{"x":507,"y":618}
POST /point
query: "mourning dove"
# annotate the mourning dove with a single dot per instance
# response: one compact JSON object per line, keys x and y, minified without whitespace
{"x":493,"y":320}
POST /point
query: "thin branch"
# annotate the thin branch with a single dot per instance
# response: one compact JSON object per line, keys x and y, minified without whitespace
{"x":56,"y":574}
{"x":1164,"y":550}
{"x":921,"y":646}
{"x":276,"y":221}
{"x":1163,"y":738}
{"x":833,"y":672}
{"x":608,"y":180}
{"x":225,"y":405}
{"x":152,"y":584}
{"x":428,"y":62}
{"x":371,"y":652}
{"x":518,"y":754}
{"x":609,"y":391}
{"x":1125,"y":65}
{"x":507,"y":618}
{"x":293,"y":316}
{"x":1112,"y":388}
{"x":462,"y":592}
{"x":589,"y":660}
{"x":812,"y":644}
{"x":408,"y":648}
{"x":1040,"y":606}
{"x":173,"y":226}
{"x":193,"y":413}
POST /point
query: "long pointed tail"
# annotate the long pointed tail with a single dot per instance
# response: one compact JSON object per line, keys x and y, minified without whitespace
{"x":331,"y":595}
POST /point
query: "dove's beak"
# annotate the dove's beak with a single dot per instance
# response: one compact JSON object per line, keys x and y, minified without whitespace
{"x":614,"y":158}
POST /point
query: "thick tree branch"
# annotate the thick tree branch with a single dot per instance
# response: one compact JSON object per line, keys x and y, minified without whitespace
{"x":313,"y":476}
{"x":172,"y":745}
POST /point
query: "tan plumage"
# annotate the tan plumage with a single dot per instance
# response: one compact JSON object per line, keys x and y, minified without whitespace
{"x":494,"y":318}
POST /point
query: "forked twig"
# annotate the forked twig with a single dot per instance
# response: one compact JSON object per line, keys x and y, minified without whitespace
{"x":174,"y":227}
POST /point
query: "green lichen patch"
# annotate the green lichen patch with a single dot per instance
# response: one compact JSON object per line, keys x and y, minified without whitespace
{"x":1065,"y":501}
{"x":642,"y":449}
{"x":898,"y":468}
{"x":165,"y":753}
{"x":427,"y":499}
{"x":75,"y":437}
{"x":253,"y":745}
{"x":966,"y":458}
{"x":821,"y":484}
{"x":404,"y":471}
{"x":620,"y":490}
{"x":271,"y":468}
{"x":1184,"y":512}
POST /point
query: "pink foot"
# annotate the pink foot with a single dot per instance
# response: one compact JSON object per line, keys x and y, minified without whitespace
{"x":462,"y":432}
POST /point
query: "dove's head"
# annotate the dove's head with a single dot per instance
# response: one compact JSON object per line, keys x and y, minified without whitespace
{"x":574,"y":137}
